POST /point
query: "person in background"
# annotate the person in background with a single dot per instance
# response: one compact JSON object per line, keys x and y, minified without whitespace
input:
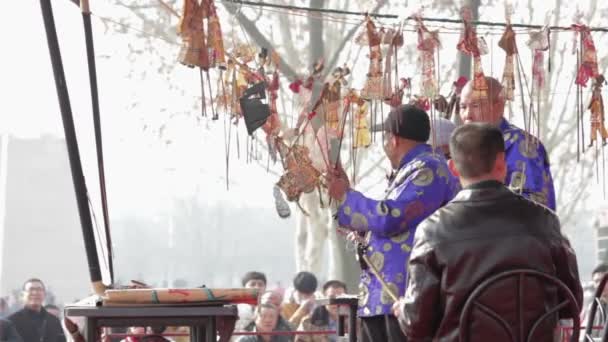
{"x":4,"y":309}
{"x":274,"y":297}
{"x":599,"y":319}
{"x":441,"y":129}
{"x":251,"y":280}
{"x":598,"y":273}
{"x":53,"y":310}
{"x":155,"y":335}
{"x":8,"y":332}
{"x":266,"y":319}
{"x":271,"y":298}
{"x":300,"y":302}
{"x":528,"y":169}
{"x":254,"y":280}
{"x":323,"y":317}
{"x":137,"y":333}
{"x":33,"y":322}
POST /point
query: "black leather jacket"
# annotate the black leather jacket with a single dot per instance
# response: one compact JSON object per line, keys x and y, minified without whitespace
{"x":484,"y":230}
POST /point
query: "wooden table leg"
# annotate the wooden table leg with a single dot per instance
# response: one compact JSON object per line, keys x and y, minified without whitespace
{"x":196,"y":334}
{"x":352,"y":324}
{"x":92,"y":331}
{"x":340,"y":331}
{"x":210,"y":330}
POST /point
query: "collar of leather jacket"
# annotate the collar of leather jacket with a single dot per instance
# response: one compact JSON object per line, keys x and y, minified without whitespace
{"x":483,"y":191}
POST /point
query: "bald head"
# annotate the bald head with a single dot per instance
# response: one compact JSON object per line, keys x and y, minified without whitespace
{"x":489,"y":110}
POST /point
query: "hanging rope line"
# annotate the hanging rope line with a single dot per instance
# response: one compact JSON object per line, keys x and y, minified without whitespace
{"x":393,"y":16}
{"x":149,"y":34}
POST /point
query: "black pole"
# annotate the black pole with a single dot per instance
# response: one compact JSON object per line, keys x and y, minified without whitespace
{"x":72,"y":144}
{"x":88,"y":34}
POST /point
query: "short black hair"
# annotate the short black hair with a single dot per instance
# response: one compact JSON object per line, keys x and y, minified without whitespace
{"x":33,"y":280}
{"x":305,"y":282}
{"x":601,"y":268}
{"x":335,"y":284}
{"x":158,"y":329}
{"x":253,"y":275}
{"x":474,"y":148}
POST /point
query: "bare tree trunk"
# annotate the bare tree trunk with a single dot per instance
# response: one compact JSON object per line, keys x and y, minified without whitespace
{"x":317,"y":45}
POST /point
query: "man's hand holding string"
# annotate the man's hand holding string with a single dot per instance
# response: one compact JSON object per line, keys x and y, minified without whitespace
{"x":337,"y":183}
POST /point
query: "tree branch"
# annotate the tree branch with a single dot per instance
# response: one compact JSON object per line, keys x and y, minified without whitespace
{"x":292,"y":55}
{"x":259,"y":38}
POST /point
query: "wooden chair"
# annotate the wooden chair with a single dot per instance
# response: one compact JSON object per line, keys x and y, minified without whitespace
{"x":520,"y":275}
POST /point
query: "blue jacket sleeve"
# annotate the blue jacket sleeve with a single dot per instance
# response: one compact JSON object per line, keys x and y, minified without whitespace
{"x":414,"y":200}
{"x":530,"y":163}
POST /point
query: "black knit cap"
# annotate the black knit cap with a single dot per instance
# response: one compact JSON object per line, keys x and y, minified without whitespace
{"x":408,"y":122}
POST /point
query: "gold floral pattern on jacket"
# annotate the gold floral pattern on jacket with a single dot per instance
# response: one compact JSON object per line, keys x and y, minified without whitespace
{"x":358,"y":222}
{"x":377,"y":260}
{"x":401,"y":237}
{"x":424,"y":177}
{"x":363,"y":294}
{"x":528,"y":148}
{"x":386,"y":298}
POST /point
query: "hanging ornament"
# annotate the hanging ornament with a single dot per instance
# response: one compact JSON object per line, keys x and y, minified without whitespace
{"x":215,"y":44}
{"x":333,"y":97}
{"x":394,"y":40}
{"x":397,"y":98}
{"x":191,"y":28}
{"x":539,"y":43}
{"x":589,"y":67}
{"x":453,"y":110}
{"x":475,"y":47}
{"x":272,"y":127}
{"x":509,"y":45}
{"x":428,"y":43}
{"x":373,"y":88}
{"x":596,"y":107}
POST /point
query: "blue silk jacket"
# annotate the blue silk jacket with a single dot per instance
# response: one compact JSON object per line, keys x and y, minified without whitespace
{"x":421,"y":185}
{"x":528,"y":171}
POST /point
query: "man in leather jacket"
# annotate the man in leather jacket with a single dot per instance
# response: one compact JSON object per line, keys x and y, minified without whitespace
{"x":486,"y":229}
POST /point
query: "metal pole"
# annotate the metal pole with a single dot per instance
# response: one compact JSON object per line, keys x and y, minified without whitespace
{"x":72,"y":146}
{"x":88,"y":34}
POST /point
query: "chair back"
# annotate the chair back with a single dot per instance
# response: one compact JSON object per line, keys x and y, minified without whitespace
{"x":520,"y":275}
{"x":593,"y":311}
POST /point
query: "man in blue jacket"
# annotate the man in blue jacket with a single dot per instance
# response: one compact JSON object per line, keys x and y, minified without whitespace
{"x":420,"y":184}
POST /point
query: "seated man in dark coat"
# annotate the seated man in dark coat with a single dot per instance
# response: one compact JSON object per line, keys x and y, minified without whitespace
{"x":486,"y":229}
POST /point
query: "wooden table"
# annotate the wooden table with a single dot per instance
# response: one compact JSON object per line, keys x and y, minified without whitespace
{"x":200,"y":319}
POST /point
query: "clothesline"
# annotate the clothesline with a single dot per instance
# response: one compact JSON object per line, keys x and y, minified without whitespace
{"x":441,"y":28}
{"x":393,"y":16}
{"x":156,"y":36}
